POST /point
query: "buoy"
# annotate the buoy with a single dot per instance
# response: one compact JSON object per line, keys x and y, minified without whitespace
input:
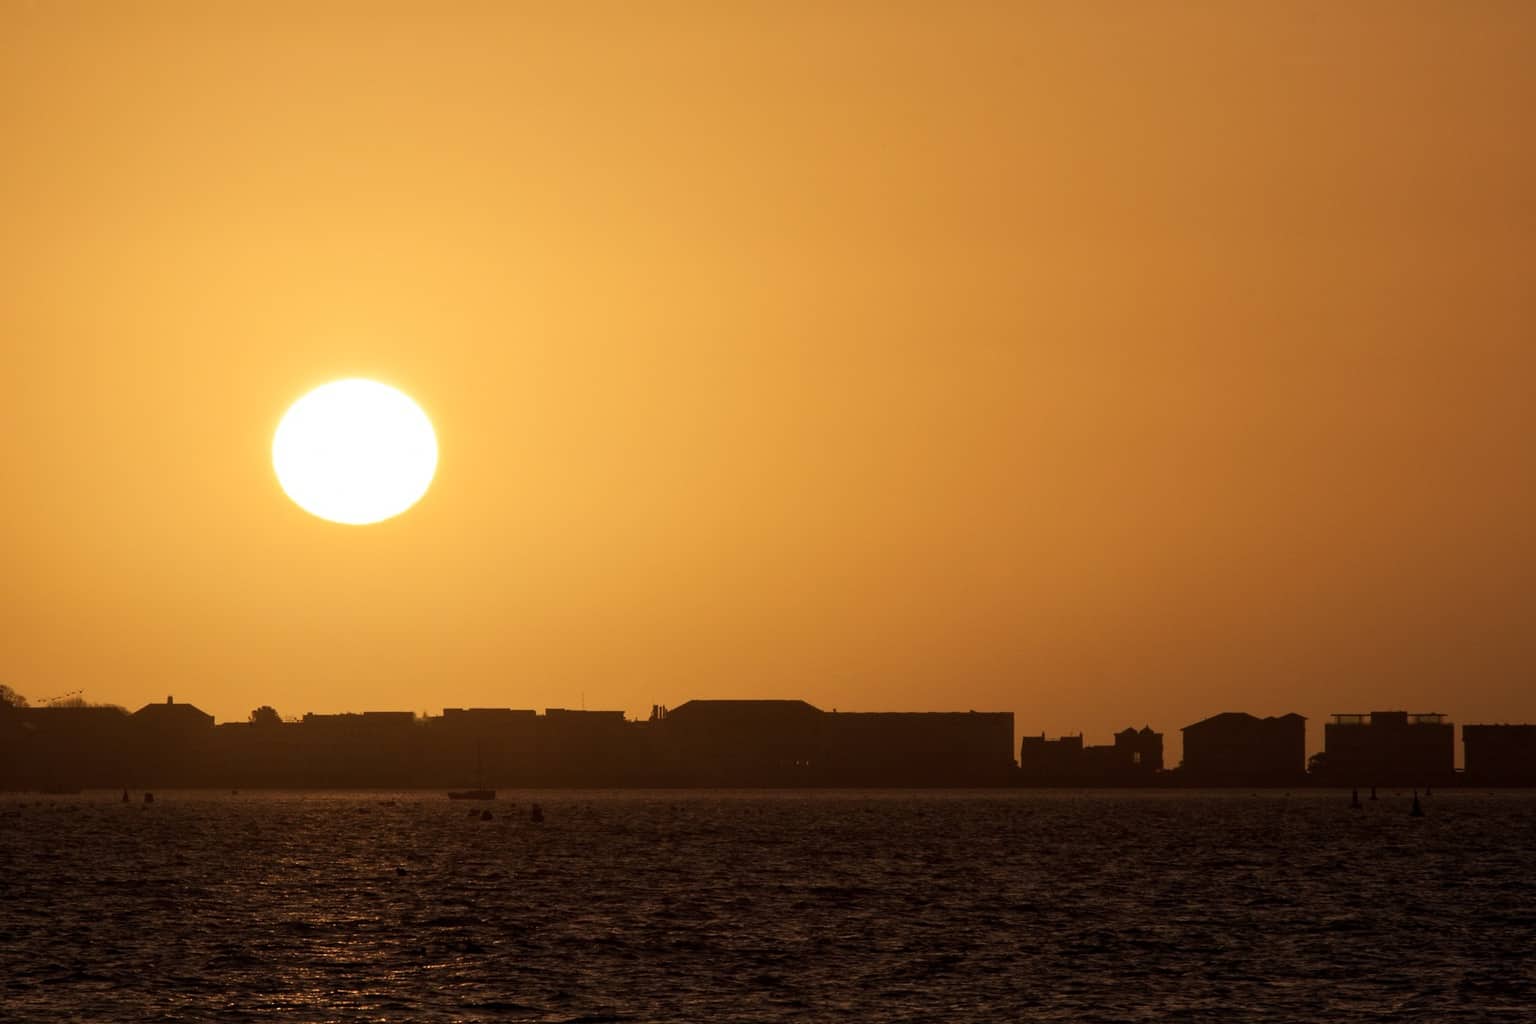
{"x":537,"y":814}
{"x":1354,"y":799}
{"x":1373,"y":792}
{"x":1418,"y":810}
{"x":485,"y":815}
{"x":149,"y":798}
{"x":125,"y":794}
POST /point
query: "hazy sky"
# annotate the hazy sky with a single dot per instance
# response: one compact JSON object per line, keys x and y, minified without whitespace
{"x":1108,"y":363}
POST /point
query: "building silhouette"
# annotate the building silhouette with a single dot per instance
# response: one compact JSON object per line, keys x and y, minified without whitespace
{"x":739,"y":742}
{"x":944,"y":748}
{"x":719,"y":743}
{"x":1500,"y":755}
{"x":1140,"y":750}
{"x":1135,"y":758}
{"x":1050,"y":762}
{"x":1389,"y":748}
{"x":172,"y":741}
{"x":67,"y":747}
{"x":173,"y":721}
{"x":790,"y":742}
{"x":1237,"y":749}
{"x":369,"y":748}
{"x":701,"y":743}
{"x":480,"y":744}
{"x":586,"y":748}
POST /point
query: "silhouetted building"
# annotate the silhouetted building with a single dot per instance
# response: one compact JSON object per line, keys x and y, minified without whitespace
{"x":490,"y":722}
{"x":173,"y":720}
{"x":253,"y":755}
{"x":1134,"y":759}
{"x":366,"y":723}
{"x":1388,"y":748}
{"x":485,"y":747}
{"x":790,"y":742}
{"x":899,"y":748}
{"x":68,"y":747}
{"x":584,"y":748}
{"x":374,"y":748}
{"x":1050,"y":761}
{"x":739,"y":742}
{"x":1237,"y":749}
{"x":172,"y":744}
{"x":713,"y":743}
{"x":1500,"y":755}
{"x":1139,"y":751}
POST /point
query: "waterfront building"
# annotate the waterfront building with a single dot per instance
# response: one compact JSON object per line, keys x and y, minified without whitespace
{"x":1238,"y":749}
{"x":1389,"y":748}
{"x":1134,"y":758}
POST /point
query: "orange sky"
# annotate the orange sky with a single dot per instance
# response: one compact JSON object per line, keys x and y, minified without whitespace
{"x":1109,"y":363}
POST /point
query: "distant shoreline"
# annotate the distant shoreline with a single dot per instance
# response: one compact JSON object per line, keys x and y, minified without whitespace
{"x":504,"y":792}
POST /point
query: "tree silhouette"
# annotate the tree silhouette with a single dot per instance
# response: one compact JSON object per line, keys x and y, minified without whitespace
{"x":266,"y":715}
{"x":11,"y":697}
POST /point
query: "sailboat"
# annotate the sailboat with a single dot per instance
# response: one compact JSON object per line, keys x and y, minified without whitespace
{"x":475,"y":794}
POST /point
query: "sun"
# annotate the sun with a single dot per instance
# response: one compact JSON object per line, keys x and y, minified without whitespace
{"x":355,"y":452}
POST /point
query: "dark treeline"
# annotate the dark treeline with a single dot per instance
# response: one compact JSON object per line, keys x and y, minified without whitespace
{"x":721,"y":743}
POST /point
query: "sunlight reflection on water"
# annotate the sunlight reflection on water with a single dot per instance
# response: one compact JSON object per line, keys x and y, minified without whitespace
{"x":664,"y":906}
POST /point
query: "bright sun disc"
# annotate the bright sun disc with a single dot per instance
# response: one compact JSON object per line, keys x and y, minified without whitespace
{"x":355,"y":452}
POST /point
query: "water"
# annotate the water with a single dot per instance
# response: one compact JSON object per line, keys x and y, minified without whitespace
{"x":847,"y":906}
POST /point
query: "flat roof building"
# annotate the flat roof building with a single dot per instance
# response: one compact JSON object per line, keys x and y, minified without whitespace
{"x":1389,"y":748}
{"x":1236,"y":748}
{"x":1133,"y":759}
{"x":791,"y":742}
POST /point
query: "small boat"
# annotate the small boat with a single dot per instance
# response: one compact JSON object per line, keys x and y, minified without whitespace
{"x":478,"y":793}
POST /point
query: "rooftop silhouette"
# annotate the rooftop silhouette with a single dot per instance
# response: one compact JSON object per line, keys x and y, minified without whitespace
{"x":720,"y":743}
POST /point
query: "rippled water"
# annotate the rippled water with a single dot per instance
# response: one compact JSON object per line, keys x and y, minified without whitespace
{"x":768,"y":906}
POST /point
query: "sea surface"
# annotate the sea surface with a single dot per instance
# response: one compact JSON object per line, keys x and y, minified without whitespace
{"x":762,"y":906}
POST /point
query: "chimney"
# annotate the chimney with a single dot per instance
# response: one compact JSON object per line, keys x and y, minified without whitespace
{"x":170,"y":700}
